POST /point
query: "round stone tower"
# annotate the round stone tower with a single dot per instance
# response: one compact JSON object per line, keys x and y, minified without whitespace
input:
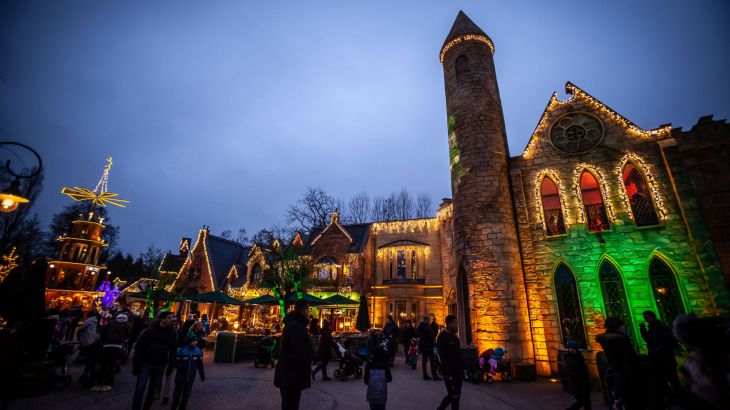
{"x":492,"y":300}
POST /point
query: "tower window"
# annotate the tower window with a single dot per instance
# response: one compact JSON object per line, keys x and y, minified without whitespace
{"x":552,"y":211}
{"x":461,"y":65}
{"x":614,"y":296}
{"x":642,"y":207}
{"x":595,"y":210}
{"x":666,"y":292}
{"x":569,"y":309}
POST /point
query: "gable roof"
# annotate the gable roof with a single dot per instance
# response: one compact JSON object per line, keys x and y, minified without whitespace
{"x":172,"y":263}
{"x":223,"y":254}
{"x":358,"y":234}
{"x":576,"y":93}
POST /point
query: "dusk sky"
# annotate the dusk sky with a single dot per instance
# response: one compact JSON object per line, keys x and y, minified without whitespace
{"x":222,"y":113}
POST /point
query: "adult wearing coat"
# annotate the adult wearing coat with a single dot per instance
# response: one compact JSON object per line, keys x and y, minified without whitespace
{"x":407,"y":333}
{"x":155,"y":349}
{"x":324,"y":350}
{"x":293,"y":370}
{"x":390,"y":332}
{"x":629,"y":378}
{"x":425,"y":346}
{"x":574,"y":376}
{"x":663,"y":365}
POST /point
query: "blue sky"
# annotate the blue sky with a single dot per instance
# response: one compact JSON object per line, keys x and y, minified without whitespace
{"x":221,"y":113}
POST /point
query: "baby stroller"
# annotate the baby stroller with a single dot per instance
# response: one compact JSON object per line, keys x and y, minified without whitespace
{"x":493,"y":362}
{"x":265,"y":352}
{"x":58,"y":354}
{"x":350,"y":364}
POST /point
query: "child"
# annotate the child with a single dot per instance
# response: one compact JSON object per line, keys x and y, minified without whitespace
{"x":412,"y":354}
{"x":574,"y":376}
{"x":377,"y":376}
{"x":496,"y":359}
{"x":189,"y":360}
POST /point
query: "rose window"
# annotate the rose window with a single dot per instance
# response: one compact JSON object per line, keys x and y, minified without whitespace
{"x":576,"y":133}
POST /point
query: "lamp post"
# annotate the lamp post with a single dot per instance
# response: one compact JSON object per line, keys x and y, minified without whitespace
{"x":10,"y":196}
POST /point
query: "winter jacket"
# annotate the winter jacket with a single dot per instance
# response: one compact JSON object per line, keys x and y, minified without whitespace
{"x":188,"y":361}
{"x":659,"y":340}
{"x":574,"y":374}
{"x":377,"y":376}
{"x":449,"y":348}
{"x":326,"y":343}
{"x":406,"y":334}
{"x":115,"y":333}
{"x":156,"y":346}
{"x":390,"y":331}
{"x":293,"y":370}
{"x":425,"y":337}
{"x":619,"y":351}
{"x":434,"y":330}
{"x":87,"y":331}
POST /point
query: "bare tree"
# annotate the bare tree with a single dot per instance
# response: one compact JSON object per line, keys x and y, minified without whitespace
{"x":227,"y":234}
{"x":313,"y":209}
{"x":403,"y":203}
{"x":383,"y":208}
{"x":242,"y":237}
{"x":358,"y":208}
{"x":423,"y":206}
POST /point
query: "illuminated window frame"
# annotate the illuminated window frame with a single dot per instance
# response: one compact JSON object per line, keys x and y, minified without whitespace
{"x":603,"y":187}
{"x":648,"y":173}
{"x":553,"y":175}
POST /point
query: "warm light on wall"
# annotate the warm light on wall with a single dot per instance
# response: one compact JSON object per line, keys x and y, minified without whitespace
{"x":548,"y":173}
{"x":445,"y":213}
{"x":466,"y":37}
{"x":648,"y":173}
{"x":420,"y":250}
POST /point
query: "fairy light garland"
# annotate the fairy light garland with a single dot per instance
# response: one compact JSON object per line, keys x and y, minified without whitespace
{"x":648,"y":172}
{"x":445,"y":213}
{"x":335,"y":221}
{"x":202,"y":237}
{"x":419,"y":249}
{"x":549,"y":173}
{"x":466,"y":37}
{"x":605,"y":194}
{"x":409,"y":225}
{"x":543,"y":123}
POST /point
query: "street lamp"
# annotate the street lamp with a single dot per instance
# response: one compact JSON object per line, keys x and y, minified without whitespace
{"x":10,"y":196}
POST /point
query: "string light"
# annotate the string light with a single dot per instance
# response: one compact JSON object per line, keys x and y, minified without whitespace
{"x":408,"y":225}
{"x":548,"y":173}
{"x":466,"y":37}
{"x":202,"y":238}
{"x":597,"y":105}
{"x":334,"y":221}
{"x":445,"y":213}
{"x":605,"y":194}
{"x":9,"y":263}
{"x":648,"y":173}
{"x":99,"y":196}
{"x":419,"y":249}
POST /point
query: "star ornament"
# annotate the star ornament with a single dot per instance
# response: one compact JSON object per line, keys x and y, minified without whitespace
{"x":84,"y":194}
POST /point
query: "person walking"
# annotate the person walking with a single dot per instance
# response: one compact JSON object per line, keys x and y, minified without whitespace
{"x":425,"y":346}
{"x":574,"y":376}
{"x":407,"y":333}
{"x":452,"y":366}
{"x":167,"y":381}
{"x":377,"y":375}
{"x":188,"y":362}
{"x":113,"y":337}
{"x":314,"y":329}
{"x":292,"y":374}
{"x":155,"y":348}
{"x":390,"y":332}
{"x":629,"y":377}
{"x":663,"y":365}
{"x":324,"y":351}
{"x":88,"y":336}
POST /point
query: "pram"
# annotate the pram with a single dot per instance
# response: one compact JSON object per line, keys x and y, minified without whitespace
{"x":265,"y":352}
{"x":59,"y":354}
{"x":503,"y":367}
{"x":350,"y":363}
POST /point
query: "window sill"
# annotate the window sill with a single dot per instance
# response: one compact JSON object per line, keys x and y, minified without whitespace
{"x":404,"y":281}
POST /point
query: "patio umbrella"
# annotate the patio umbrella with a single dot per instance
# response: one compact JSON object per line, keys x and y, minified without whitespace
{"x":262,"y":300}
{"x":363,"y":318}
{"x":313,"y":300}
{"x":215,"y":297}
{"x":338,"y":299}
{"x":162,"y":295}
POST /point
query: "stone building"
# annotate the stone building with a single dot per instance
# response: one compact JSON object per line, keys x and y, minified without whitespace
{"x":596,"y":217}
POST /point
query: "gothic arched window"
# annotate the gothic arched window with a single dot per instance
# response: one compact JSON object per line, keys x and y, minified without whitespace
{"x":637,"y":191}
{"x":614,"y":296}
{"x":666,"y":292}
{"x":569,"y":309}
{"x":595,"y":210}
{"x":552,"y":211}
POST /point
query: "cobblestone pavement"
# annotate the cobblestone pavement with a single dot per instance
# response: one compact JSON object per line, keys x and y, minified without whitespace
{"x":240,"y":385}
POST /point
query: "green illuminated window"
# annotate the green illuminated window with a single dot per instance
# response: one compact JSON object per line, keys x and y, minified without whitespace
{"x":569,"y":309}
{"x":666,"y":292}
{"x":614,"y":296}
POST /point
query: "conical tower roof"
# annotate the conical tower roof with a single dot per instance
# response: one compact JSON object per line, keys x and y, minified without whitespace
{"x":462,"y":26}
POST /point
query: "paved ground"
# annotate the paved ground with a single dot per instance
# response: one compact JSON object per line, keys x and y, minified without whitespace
{"x":240,"y":385}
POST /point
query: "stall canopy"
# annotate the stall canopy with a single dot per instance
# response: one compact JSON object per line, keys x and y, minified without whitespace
{"x":262,"y":300}
{"x":161,"y":295}
{"x":215,"y":297}
{"x":338,"y":300}
{"x":309,"y":298}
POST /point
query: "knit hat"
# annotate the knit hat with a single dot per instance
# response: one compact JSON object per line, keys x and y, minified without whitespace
{"x":191,"y":337}
{"x":571,"y":344}
{"x":613,"y":323}
{"x":121,"y":318}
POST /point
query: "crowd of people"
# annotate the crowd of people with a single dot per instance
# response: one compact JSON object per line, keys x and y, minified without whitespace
{"x":165,"y":346}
